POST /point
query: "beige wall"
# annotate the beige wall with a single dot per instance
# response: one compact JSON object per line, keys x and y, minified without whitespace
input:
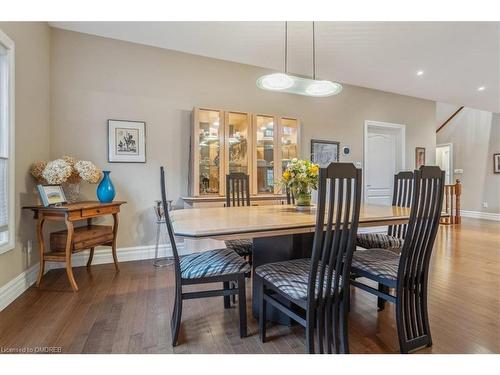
{"x":32,"y":41}
{"x":475,"y":136}
{"x":94,"y":79}
{"x":69,"y":84}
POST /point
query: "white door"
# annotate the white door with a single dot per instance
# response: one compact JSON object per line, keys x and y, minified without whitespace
{"x":444,"y":160}
{"x":384,"y":157}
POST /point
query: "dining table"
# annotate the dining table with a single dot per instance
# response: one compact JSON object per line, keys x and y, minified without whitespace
{"x":279,"y":232}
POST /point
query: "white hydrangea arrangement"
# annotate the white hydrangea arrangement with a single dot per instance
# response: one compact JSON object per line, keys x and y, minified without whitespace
{"x":88,"y":171}
{"x":65,"y":170}
{"x":57,"y":171}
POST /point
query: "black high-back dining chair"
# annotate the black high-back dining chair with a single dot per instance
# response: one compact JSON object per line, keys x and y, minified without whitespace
{"x":290,"y":197}
{"x":393,"y":240}
{"x":237,"y":195}
{"x":220,"y":265}
{"x":237,"y":189}
{"x":319,"y":286}
{"x":408,"y":272}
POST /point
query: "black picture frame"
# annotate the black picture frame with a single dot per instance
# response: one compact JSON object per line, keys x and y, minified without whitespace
{"x":325,"y":160}
{"x":142,"y":146}
{"x":419,"y":157}
{"x":496,"y":163}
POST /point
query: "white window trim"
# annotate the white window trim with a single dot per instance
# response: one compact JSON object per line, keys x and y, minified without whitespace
{"x":9,"y":45}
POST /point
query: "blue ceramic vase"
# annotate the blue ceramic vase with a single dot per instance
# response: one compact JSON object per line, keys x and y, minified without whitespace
{"x":106,"y":190}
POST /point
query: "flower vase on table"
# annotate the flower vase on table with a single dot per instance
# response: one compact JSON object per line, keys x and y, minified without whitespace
{"x":300,"y":177}
{"x":303,"y":198}
{"x":106,"y":190}
{"x":71,"y":191}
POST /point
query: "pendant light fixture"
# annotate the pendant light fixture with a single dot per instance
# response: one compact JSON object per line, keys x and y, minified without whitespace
{"x":284,"y":82}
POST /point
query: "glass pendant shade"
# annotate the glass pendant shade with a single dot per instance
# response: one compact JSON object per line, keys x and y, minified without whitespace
{"x":275,"y":82}
{"x":297,"y":85}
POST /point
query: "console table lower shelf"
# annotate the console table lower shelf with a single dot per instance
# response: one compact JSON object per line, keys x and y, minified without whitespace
{"x":65,"y":243}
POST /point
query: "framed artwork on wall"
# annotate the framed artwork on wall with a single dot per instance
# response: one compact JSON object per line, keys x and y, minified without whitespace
{"x":496,"y":163}
{"x":419,"y":157}
{"x":324,"y":152}
{"x":126,"y":141}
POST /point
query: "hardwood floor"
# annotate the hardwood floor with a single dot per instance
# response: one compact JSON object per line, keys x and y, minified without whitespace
{"x":130,"y":312}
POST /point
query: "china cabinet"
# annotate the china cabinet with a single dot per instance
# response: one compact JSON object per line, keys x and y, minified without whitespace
{"x":224,"y":142}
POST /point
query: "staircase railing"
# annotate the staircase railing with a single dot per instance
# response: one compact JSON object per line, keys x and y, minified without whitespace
{"x":451,"y":203}
{"x":450,"y":118}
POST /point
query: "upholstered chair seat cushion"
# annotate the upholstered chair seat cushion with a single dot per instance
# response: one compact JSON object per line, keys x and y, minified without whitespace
{"x":241,"y":247}
{"x":212,"y":263}
{"x":377,"y":264}
{"x":289,"y":277}
{"x":379,"y":241}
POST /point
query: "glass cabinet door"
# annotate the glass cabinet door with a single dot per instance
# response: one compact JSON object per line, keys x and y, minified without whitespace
{"x":265,"y":156}
{"x":209,"y":151}
{"x":237,"y":142}
{"x":289,"y":142}
{"x":224,"y":142}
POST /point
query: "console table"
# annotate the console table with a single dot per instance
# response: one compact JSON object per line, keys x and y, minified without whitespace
{"x":75,"y":239}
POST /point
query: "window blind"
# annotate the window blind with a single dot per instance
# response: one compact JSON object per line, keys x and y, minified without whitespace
{"x":4,"y":217}
{"x":4,"y":136}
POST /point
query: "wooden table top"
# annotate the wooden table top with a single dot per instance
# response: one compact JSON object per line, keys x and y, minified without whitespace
{"x":68,"y":207}
{"x":268,"y":220}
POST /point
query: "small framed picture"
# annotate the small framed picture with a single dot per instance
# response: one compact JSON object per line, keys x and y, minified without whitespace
{"x":496,"y":163}
{"x":419,"y":157}
{"x":126,"y":141}
{"x":324,"y":152}
{"x":51,"y":194}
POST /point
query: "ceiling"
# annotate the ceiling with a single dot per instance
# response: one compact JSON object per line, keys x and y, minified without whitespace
{"x":456,"y":57}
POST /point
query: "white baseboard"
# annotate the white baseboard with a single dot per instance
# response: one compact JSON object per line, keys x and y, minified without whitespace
{"x":14,"y":288}
{"x":480,"y":215}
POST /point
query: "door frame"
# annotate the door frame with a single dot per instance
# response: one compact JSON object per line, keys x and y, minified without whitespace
{"x":452,"y":171}
{"x":383,"y":125}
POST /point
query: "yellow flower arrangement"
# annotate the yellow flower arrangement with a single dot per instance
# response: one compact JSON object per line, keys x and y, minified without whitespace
{"x":300,"y":176}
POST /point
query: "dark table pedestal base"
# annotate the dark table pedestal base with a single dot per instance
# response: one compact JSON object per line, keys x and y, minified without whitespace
{"x":277,"y":249}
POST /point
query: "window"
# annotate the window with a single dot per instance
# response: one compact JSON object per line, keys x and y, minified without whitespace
{"x":7,"y":229}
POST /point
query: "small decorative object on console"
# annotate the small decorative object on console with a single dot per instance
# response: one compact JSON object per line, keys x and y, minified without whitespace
{"x":106,"y":190}
{"x":51,"y":194}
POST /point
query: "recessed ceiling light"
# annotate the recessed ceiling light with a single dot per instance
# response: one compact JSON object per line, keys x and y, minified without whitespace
{"x":420,"y":73}
{"x":481,"y":88}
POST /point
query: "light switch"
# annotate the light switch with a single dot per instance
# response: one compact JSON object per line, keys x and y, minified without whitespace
{"x":459,"y":171}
